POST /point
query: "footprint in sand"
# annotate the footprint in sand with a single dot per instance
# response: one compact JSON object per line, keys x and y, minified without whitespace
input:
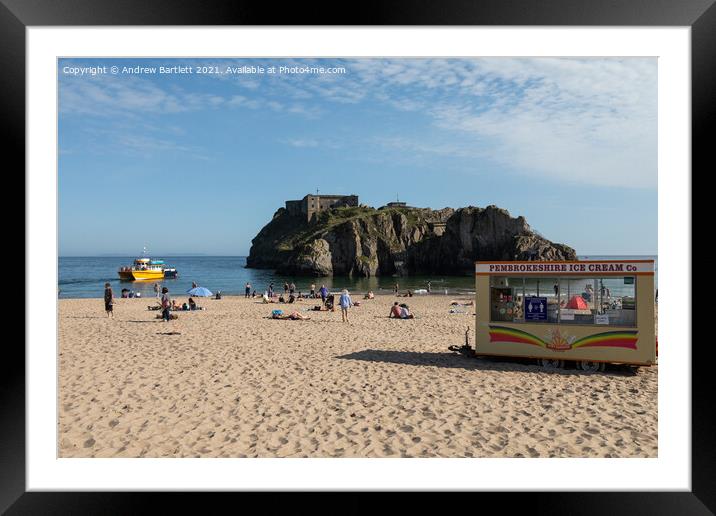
{"x":533,"y":453}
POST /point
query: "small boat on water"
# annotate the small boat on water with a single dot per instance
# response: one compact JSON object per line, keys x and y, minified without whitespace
{"x":146,"y":269}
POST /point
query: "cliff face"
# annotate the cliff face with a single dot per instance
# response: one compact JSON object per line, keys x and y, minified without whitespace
{"x":369,"y":242}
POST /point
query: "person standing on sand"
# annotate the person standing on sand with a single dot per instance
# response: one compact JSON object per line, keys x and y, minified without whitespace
{"x":108,"y":300}
{"x":324,"y":294}
{"x":285,"y":288}
{"x":313,"y":290}
{"x":248,"y":289}
{"x":292,"y":288}
{"x":429,"y":289}
{"x":166,"y":304}
{"x":270,"y":290}
{"x":345,"y":302}
{"x":395,"y":288}
{"x":156,"y":290}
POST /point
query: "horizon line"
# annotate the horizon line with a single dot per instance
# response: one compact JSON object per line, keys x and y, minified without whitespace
{"x":189,"y":255}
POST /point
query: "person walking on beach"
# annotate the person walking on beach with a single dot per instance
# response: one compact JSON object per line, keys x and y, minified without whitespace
{"x":156,"y":290}
{"x":345,"y":302}
{"x":108,"y":300}
{"x":395,"y":288}
{"x":313,"y":290}
{"x":324,"y":294}
{"x":285,"y":288}
{"x":166,"y":304}
{"x":248,"y":289}
{"x":429,"y":289}
{"x":270,"y":290}
{"x":292,"y":288}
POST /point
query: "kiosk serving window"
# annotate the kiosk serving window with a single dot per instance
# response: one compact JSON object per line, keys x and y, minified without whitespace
{"x":615,"y":301}
{"x":577,"y":303}
{"x":506,"y":298}
{"x":608,"y":301}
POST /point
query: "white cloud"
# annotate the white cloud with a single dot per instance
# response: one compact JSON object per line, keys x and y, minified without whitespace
{"x":590,"y":120}
{"x":578,"y":120}
{"x":302,"y":142}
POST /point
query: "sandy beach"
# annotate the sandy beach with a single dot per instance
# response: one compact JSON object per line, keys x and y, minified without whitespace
{"x":228,"y":381}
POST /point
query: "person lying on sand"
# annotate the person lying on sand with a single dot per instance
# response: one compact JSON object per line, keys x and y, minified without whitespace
{"x":294,"y":316}
{"x":456,"y":303}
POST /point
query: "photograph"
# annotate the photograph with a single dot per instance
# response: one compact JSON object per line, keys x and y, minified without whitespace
{"x":357,"y":257}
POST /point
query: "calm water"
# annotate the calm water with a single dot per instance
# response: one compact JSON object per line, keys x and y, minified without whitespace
{"x":85,"y":277}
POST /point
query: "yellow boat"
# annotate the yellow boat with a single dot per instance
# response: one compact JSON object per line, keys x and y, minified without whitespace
{"x":143,"y":269}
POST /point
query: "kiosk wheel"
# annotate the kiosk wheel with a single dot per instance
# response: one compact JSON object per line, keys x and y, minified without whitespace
{"x":551,"y":363}
{"x":589,"y":366}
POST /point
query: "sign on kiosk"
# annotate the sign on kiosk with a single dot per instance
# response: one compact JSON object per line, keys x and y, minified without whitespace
{"x":595,"y":267}
{"x":536,"y":308}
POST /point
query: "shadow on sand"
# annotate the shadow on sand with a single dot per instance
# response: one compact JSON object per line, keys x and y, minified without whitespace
{"x":457,"y":361}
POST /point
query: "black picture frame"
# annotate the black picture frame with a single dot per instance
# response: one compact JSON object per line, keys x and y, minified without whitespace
{"x":17,"y":15}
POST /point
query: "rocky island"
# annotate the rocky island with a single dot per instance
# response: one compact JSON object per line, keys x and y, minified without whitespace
{"x":335,"y":235}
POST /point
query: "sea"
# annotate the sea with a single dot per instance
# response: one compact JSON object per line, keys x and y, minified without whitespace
{"x":84,"y":277}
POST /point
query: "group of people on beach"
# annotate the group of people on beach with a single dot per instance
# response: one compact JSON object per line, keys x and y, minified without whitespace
{"x":166,"y":303}
{"x":345,"y":302}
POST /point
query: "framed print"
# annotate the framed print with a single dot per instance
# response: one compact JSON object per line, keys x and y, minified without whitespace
{"x":420,"y":252}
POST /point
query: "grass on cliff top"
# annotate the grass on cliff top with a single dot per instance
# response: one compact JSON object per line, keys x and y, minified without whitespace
{"x":293,"y":236}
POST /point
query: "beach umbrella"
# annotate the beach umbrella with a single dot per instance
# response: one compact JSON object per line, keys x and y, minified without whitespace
{"x":577,"y":303}
{"x":199,"y":291}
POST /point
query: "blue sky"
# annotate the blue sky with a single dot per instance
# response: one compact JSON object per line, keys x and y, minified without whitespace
{"x":198,"y":163}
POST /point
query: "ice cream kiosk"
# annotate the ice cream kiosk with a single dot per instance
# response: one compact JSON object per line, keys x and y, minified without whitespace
{"x":589,"y":312}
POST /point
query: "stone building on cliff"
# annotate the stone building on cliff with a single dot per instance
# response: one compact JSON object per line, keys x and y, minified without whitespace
{"x":310,"y":205}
